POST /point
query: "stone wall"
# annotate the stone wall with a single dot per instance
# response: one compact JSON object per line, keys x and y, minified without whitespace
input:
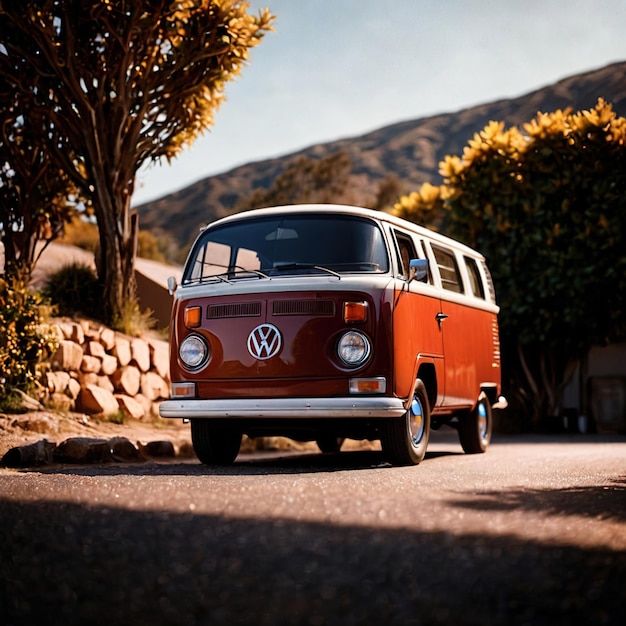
{"x":102,"y":372}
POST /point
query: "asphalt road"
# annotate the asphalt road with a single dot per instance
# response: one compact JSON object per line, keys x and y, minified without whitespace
{"x":532,"y":532}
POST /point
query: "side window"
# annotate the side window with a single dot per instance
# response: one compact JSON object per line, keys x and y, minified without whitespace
{"x":406,"y":252}
{"x":476,"y":282}
{"x":448,"y":269}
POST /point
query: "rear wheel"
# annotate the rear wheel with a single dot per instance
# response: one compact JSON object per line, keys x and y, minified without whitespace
{"x":330,"y":444}
{"x":405,"y":439}
{"x":475,"y":428}
{"x":215,"y":443}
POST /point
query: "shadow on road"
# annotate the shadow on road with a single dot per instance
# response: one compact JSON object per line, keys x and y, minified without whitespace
{"x":69,"y":564}
{"x":603,"y":502}
{"x":263,"y":463}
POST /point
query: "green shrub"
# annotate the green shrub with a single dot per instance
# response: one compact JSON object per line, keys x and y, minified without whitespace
{"x":133,"y":321}
{"x":75,"y":291}
{"x":25,"y":341}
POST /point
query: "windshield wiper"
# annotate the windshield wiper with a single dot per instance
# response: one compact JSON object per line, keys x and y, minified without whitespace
{"x":243,"y":270}
{"x":305,"y":266}
{"x":234,"y":271}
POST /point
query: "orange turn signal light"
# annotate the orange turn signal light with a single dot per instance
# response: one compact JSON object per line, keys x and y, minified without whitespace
{"x":193,"y":315}
{"x":354,"y":311}
{"x":368,"y":385}
{"x":183,"y":390}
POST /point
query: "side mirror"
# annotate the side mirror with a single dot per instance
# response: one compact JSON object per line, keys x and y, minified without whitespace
{"x":171,"y":285}
{"x":419,"y":270}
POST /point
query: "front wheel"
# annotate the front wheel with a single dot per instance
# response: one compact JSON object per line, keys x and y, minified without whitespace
{"x":475,"y":428}
{"x":405,"y":439}
{"x":215,"y":443}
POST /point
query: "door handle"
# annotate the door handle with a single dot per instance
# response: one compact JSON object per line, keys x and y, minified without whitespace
{"x":440,"y":317}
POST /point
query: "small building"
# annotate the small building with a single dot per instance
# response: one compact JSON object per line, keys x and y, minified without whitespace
{"x":596,"y":395}
{"x":151,"y":277}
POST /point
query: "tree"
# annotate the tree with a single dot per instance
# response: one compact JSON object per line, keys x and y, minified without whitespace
{"x":305,"y":181}
{"x":36,"y":196}
{"x":546,"y":205}
{"x":426,"y":206}
{"x":390,"y":191}
{"x":122,"y":84}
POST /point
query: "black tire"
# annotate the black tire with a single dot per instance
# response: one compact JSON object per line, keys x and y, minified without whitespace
{"x":475,"y":428}
{"x":215,"y":443}
{"x":329,"y":444}
{"x":405,"y":439}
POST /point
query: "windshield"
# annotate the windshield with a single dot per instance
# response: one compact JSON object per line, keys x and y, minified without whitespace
{"x":271,"y":246}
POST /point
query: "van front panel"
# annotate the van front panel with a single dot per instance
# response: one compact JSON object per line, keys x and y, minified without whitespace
{"x":274,"y":343}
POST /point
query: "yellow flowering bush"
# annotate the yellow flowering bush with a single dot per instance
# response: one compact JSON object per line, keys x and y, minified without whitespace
{"x":25,"y":340}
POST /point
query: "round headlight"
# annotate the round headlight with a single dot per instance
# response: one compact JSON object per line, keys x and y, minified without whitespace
{"x":353,"y":348}
{"x":193,"y":352}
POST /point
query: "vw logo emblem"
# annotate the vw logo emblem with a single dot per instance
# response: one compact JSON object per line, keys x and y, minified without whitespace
{"x":264,"y":342}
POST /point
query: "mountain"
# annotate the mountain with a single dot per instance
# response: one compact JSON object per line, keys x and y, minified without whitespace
{"x":410,"y":150}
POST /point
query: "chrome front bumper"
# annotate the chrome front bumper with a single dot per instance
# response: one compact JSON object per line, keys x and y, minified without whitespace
{"x":353,"y":407}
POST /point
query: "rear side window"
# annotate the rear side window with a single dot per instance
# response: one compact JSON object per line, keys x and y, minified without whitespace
{"x":448,"y":269}
{"x":476,"y":283}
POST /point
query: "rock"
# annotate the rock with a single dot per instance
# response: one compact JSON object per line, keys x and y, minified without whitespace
{"x":121,"y":350}
{"x":153,"y":386}
{"x":130,"y":407}
{"x":87,"y":378}
{"x":107,"y":338}
{"x":145,"y":403}
{"x":90,"y":331}
{"x":140,"y":354}
{"x":83,"y":450}
{"x":95,"y":348}
{"x":73,"y":332}
{"x":68,"y":357}
{"x":38,"y":453}
{"x":105,"y":383}
{"x":160,"y":357}
{"x":127,"y":380}
{"x":65,"y":328}
{"x":90,"y":364}
{"x":157,"y":449}
{"x":73,"y":388}
{"x":109,"y":364}
{"x":57,"y":382}
{"x":95,"y":400}
{"x":123,"y":450}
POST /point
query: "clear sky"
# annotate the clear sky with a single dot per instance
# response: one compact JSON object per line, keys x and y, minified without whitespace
{"x":341,"y":68}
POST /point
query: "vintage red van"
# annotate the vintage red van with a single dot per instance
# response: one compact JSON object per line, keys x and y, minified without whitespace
{"x":325,"y":322}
